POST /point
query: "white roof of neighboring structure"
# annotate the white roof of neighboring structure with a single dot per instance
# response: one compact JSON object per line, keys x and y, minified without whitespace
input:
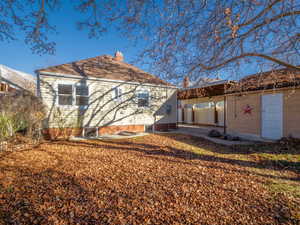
{"x":18,"y":79}
{"x":206,"y":82}
{"x":212,"y":83}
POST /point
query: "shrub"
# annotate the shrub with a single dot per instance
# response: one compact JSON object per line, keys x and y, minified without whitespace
{"x":6,"y":126}
{"x":20,"y":112}
{"x":65,"y":125}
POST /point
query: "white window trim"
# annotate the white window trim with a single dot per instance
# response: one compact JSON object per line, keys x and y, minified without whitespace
{"x":74,"y":84}
{"x":117,"y":98}
{"x":57,"y":95}
{"x":74,"y":102}
{"x":142,"y":91}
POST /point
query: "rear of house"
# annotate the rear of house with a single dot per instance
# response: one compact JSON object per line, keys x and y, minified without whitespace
{"x":104,"y":95}
{"x":261,"y":106}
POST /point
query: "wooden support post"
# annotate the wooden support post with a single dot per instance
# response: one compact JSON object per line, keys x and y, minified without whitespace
{"x":225,"y":109}
{"x":216,"y":114}
{"x":193,"y":116}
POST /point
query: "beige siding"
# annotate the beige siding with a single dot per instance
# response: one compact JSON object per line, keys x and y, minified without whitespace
{"x":291,"y":113}
{"x":240,"y":123}
{"x":205,"y":116}
{"x":103,"y":110}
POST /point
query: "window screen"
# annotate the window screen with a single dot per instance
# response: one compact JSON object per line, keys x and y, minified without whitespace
{"x":64,"y":89}
{"x":82,"y":95}
{"x":82,"y":90}
{"x":65,"y":94}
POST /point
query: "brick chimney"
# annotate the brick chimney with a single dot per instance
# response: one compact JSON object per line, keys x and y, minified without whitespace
{"x":119,"y":56}
{"x":186,"y":82}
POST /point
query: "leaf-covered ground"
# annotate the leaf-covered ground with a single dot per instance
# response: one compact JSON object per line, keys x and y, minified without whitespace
{"x":155,"y":179}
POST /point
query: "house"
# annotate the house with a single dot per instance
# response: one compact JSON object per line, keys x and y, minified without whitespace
{"x":105,"y":95}
{"x":12,"y":81}
{"x":260,"y":106}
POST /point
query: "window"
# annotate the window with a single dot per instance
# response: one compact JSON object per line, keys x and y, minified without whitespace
{"x":90,"y":132}
{"x":117,"y":94}
{"x":65,"y":96}
{"x":205,"y":105}
{"x":82,"y":95}
{"x":188,"y":106}
{"x":3,"y":87}
{"x":220,"y":104}
{"x":143,"y":99}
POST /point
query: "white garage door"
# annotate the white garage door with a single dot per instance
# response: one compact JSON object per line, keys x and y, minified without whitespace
{"x":272,"y":123}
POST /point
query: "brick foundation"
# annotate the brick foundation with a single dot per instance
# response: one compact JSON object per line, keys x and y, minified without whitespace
{"x":61,"y":133}
{"x":117,"y":128}
{"x":65,"y":133}
{"x":165,"y":126}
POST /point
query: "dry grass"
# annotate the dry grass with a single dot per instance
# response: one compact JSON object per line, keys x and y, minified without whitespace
{"x":156,"y":179}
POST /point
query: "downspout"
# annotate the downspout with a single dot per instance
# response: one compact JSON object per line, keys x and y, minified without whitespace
{"x":193,"y":115}
{"x":216,"y":114}
{"x":38,"y":83}
{"x":225,"y":109}
{"x":182,"y":115}
{"x":154,"y":121}
{"x":176,"y":109}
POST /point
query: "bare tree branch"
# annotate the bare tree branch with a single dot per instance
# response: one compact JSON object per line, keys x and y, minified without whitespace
{"x":178,"y":37}
{"x":248,"y":55}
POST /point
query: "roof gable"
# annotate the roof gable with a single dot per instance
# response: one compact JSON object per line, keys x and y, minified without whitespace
{"x":105,"y":67}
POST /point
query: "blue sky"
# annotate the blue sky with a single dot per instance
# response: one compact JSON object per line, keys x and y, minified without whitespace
{"x":71,"y":45}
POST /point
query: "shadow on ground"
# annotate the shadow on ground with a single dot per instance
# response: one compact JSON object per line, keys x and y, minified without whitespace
{"x":153,"y":149}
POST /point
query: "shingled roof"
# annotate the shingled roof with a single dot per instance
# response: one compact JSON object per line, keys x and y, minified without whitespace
{"x":267,"y":80}
{"x":106,"y":67}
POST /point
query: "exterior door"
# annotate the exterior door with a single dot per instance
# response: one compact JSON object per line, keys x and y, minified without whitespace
{"x":272,"y":116}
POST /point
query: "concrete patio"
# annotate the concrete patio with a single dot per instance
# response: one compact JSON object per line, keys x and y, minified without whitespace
{"x":202,"y":131}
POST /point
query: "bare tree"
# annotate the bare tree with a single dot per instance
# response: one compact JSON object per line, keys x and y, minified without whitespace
{"x":179,"y":36}
{"x":29,"y":18}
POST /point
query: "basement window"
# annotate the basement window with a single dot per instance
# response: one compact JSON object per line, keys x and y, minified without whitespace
{"x":90,"y":132}
{"x":65,"y":94}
